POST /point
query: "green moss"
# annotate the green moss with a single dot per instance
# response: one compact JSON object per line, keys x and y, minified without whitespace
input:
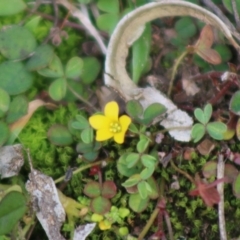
{"x":50,"y":159}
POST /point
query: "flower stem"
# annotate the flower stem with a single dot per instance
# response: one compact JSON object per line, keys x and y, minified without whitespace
{"x":182,"y":172}
{"x":154,"y":214}
{"x":174,"y":71}
{"x":80,"y":170}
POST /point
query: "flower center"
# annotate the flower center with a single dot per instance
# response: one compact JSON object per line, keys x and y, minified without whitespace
{"x":115,"y":127}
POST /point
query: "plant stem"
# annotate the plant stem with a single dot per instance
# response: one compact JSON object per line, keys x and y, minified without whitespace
{"x":182,"y":172}
{"x":221,"y":217}
{"x":80,"y":170}
{"x":154,"y":214}
{"x":174,"y":71}
{"x":81,"y":98}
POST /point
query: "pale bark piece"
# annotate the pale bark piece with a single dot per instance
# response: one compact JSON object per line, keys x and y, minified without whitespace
{"x":81,"y":232}
{"x":123,"y":36}
{"x":11,"y":160}
{"x":46,"y":203}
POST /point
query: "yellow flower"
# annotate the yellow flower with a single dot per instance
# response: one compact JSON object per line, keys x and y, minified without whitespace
{"x":109,"y":125}
{"x":104,"y":225}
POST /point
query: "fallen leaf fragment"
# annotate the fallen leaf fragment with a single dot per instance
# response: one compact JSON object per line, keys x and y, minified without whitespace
{"x":46,"y":203}
{"x":83,"y":231}
{"x":11,"y":160}
{"x":17,"y":126}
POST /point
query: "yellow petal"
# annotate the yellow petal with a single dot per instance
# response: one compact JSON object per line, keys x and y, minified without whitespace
{"x":124,"y":122}
{"x":104,"y":225}
{"x":103,"y":134}
{"x":99,"y":121}
{"x":111,"y":111}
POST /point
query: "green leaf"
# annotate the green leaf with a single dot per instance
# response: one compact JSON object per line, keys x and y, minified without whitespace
{"x":54,"y":69}
{"x":16,"y":42}
{"x":132,"y":181}
{"x":216,"y":130}
{"x":109,"y":6}
{"x":137,"y":204}
{"x":148,"y":160}
{"x":87,"y":135}
{"x":41,"y":58}
{"x":235,"y":103}
{"x":185,"y":28}
{"x":146,"y":173}
{"x":132,"y":159}
{"x":4,"y":130}
{"x":123,"y":168}
{"x":140,"y":53}
{"x":207,"y":113}
{"x":109,"y":189}
{"x":74,"y":68}
{"x":59,"y":135}
{"x":100,"y":205}
{"x":134,"y":108}
{"x":228,"y":5}
{"x":152,"y":111}
{"x":57,"y":89}
{"x":83,"y":121}
{"x":91,"y":69}
{"x":107,"y":22}
{"x":203,"y":116}
{"x":210,"y":169}
{"x":198,"y":131}
{"x":154,"y":187}
{"x":90,"y":147}
{"x":92,"y":189}
{"x":16,"y":78}
{"x":17,"y":109}
{"x":11,"y":7}
{"x":236,"y":186}
{"x":133,"y":128}
{"x":142,"y":190}
{"x":142,"y":145}
{"x":91,"y":156}
{"x":4,"y":102}
{"x":12,"y":208}
{"x":224,"y":51}
{"x":32,"y":24}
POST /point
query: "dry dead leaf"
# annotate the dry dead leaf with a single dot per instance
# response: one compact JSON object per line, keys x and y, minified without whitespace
{"x":190,"y":87}
{"x":11,"y":160}
{"x":17,"y":126}
{"x":205,"y":147}
{"x":83,"y":231}
{"x":46,"y":203}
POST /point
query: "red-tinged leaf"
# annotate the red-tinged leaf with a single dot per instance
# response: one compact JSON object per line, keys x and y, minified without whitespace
{"x":203,"y":46}
{"x":209,"y":55}
{"x":207,"y":191}
{"x":206,"y":38}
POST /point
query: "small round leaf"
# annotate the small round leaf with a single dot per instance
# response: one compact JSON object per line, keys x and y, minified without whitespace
{"x":17,"y":109}
{"x":137,"y":204}
{"x":4,"y":102}
{"x":74,"y":68}
{"x":92,"y":189}
{"x":59,"y":135}
{"x":11,"y":7}
{"x":100,"y":205}
{"x":91,"y":69}
{"x":16,"y":42}
{"x":216,"y":130}
{"x":109,"y":189}
{"x":87,"y":135}
{"x":57,"y":89}
{"x":12,"y":208}
{"x":16,"y":78}
{"x":109,"y":6}
{"x":235,"y":103}
{"x":41,"y":58}
{"x":198,"y":131}
{"x":4,"y":130}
